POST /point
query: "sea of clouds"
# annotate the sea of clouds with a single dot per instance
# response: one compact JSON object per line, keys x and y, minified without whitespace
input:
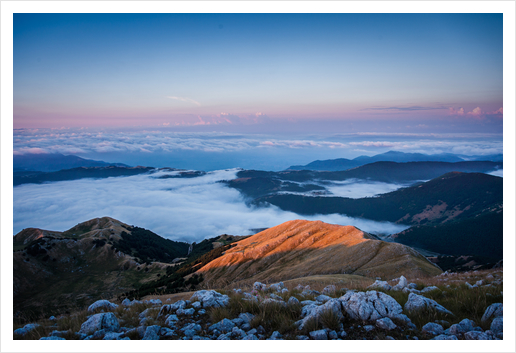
{"x":219,"y":150}
{"x":187,"y":209}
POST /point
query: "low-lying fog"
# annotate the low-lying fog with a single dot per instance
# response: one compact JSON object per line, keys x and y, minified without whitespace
{"x":188,"y":209}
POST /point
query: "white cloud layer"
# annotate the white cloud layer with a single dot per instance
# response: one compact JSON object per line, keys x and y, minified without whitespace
{"x":181,"y":209}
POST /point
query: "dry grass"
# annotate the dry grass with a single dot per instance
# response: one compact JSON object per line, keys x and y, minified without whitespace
{"x":302,"y":248}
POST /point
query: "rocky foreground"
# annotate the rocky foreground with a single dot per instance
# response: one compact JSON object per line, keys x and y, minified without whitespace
{"x":333,"y":314}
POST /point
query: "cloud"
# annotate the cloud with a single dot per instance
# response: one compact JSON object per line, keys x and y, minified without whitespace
{"x":374,"y":144}
{"x":497,"y":112}
{"x":409,"y":109}
{"x":183,"y":99}
{"x":477,"y":112}
{"x":189,"y":209}
{"x":460,"y":111}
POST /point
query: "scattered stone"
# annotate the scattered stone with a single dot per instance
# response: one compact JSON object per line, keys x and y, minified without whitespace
{"x":192,"y":329}
{"x":497,"y":325}
{"x":402,"y":283}
{"x":385,"y":324}
{"x":370,"y":305}
{"x":171,"y":321}
{"x":432,"y":329}
{"x":418,"y":302}
{"x":259,"y":286}
{"x":196,"y":305}
{"x":277,"y":287}
{"x":322,"y":298}
{"x":26,"y":329}
{"x":275,"y":336}
{"x":412,"y":286}
{"x":333,"y":335}
{"x":276,"y":297}
{"x":342,"y":334}
{"x":368,"y":328}
{"x":51,"y":338}
{"x":225,"y":325}
{"x":52,"y":318}
{"x":188,"y":312}
{"x":462,"y":327}
{"x":126,"y":302}
{"x":210,"y":298}
{"x":112,"y":335}
{"x":154,"y":302}
{"x":380,"y":285}
{"x":292,"y":301}
{"x":302,"y":338}
{"x":389,"y":338}
{"x":429,"y":289}
{"x":492,"y":311}
{"x":102,"y":304}
{"x":315,"y":312}
{"x":273,"y":301}
{"x":284,"y":290}
{"x":237,"y":290}
{"x":102,"y":321}
{"x":224,"y":337}
{"x":250,"y":337}
{"x":330,"y":289}
{"x":166,"y":332}
{"x":152,"y":333}
{"x":476,"y":335}
{"x":318,"y":335}
{"x":445,"y":337}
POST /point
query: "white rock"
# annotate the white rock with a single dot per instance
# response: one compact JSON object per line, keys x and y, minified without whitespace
{"x":102,"y":304}
{"x":380,"y":285}
{"x":370,"y":306}
{"x":385,"y":324}
{"x":102,"y":321}
{"x":315,"y":312}
{"x":418,"y":302}
{"x":210,"y":298}
{"x":402,"y":283}
{"x":492,"y":311}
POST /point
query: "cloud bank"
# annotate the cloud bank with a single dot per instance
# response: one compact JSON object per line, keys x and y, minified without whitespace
{"x":179,"y":209}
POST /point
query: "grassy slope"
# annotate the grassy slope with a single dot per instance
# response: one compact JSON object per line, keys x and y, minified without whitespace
{"x":302,"y":248}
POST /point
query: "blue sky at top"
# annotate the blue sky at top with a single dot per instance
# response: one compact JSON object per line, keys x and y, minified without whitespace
{"x":76,"y":70}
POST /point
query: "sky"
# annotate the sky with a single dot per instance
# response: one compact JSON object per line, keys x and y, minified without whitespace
{"x":266,"y":73}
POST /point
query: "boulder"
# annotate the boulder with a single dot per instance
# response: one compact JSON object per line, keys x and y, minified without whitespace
{"x":166,"y":332}
{"x":445,"y":337}
{"x":497,"y":325}
{"x":492,"y":311}
{"x":462,"y":327}
{"x":210,"y":298}
{"x":293,"y":301}
{"x":26,"y":329}
{"x":259,"y":286}
{"x":247,"y":317}
{"x":225,"y":325}
{"x":152,"y":333}
{"x":315,"y":312}
{"x":277,"y":287}
{"x":191,"y":329}
{"x":429,"y":289}
{"x":269,"y":301}
{"x":368,"y":328}
{"x":112,"y":336}
{"x":103,"y":305}
{"x":370,"y":306}
{"x":380,"y":285}
{"x":476,"y":335}
{"x":402,"y":283}
{"x":432,"y":329}
{"x":103,"y":321}
{"x":322,"y":298}
{"x":318,"y":335}
{"x":126,"y":302}
{"x":418,"y":302}
{"x":385,"y":324}
{"x":171,"y":321}
{"x":330,"y":289}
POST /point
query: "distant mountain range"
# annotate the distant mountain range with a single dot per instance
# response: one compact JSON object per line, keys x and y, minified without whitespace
{"x":256,"y":183}
{"x":391,"y":156}
{"x":51,"y":162}
{"x":27,"y":177}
